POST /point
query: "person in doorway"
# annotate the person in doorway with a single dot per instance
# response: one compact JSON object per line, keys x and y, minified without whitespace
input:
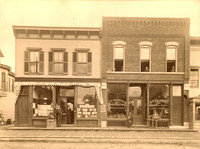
{"x":154,"y":118}
{"x":131,"y":113}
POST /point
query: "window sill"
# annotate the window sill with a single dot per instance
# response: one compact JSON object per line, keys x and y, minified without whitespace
{"x":164,"y":73}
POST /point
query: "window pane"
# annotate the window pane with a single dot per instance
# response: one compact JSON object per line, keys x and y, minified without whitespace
{"x":58,"y":57}
{"x":118,"y":65}
{"x":171,"y":66}
{"x":117,"y":100}
{"x":86,"y":103}
{"x":119,"y":53}
{"x":145,"y":66}
{"x":34,"y":67}
{"x":145,"y":53}
{"x":82,"y":68}
{"x":171,"y":54}
{"x":159,"y":100}
{"x":34,"y":56}
{"x":82,"y":57}
{"x":58,"y":68}
{"x":194,"y":77}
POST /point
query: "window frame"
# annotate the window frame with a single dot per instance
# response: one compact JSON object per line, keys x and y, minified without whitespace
{"x":28,"y":62}
{"x":76,"y":63}
{"x":172,"y":45}
{"x":149,"y":45}
{"x":119,"y":44}
{"x":52,"y":61}
{"x":194,"y":80}
{"x":3,"y":81}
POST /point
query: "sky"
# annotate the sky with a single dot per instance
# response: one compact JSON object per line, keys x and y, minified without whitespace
{"x":82,"y":13}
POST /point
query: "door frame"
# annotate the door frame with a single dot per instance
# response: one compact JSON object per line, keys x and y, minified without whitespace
{"x":59,"y":101}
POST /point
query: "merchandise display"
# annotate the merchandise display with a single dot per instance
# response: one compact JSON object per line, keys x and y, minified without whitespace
{"x":117,"y":108}
{"x":86,"y":111}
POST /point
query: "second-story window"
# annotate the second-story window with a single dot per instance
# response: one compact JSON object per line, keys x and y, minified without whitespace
{"x":82,"y":62}
{"x":58,"y":62}
{"x":118,"y":58}
{"x":33,"y":61}
{"x":171,"y":56}
{"x":3,"y":81}
{"x":145,"y":56}
{"x":118,"y":55}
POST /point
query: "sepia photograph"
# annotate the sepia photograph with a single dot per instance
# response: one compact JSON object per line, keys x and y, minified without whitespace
{"x":100,"y":74}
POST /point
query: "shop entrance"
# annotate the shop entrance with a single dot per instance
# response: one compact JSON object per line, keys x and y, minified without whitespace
{"x":136,"y":109}
{"x":137,"y":100}
{"x":66,"y":101}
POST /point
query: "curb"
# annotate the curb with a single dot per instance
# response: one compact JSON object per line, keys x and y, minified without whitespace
{"x":103,"y":140}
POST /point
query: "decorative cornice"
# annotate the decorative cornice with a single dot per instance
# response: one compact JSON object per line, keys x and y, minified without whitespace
{"x":57,"y":33}
{"x":145,"y":43}
{"x":172,"y":44}
{"x":119,"y":43}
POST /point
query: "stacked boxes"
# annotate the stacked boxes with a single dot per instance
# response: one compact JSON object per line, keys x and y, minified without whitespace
{"x":86,"y":111}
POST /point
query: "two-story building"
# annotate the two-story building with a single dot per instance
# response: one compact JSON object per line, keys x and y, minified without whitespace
{"x":7,"y":95}
{"x":145,"y":67}
{"x":60,"y":68}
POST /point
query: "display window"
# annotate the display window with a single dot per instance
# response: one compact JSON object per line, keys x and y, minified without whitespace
{"x":159,"y":100}
{"x":197,"y":111}
{"x":42,"y":102}
{"x":117,"y":100}
{"x":86,"y":103}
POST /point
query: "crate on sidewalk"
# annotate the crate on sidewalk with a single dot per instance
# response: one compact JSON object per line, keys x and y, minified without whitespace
{"x":51,"y":123}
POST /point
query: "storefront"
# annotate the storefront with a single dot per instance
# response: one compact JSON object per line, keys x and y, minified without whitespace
{"x":138,"y":101}
{"x":63,"y":104}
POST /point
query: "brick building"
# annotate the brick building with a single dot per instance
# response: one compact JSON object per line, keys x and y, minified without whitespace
{"x":7,"y":95}
{"x":145,"y":65}
{"x":58,"y":68}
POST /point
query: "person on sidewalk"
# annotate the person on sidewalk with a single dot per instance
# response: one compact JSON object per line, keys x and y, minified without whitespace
{"x":154,"y":119}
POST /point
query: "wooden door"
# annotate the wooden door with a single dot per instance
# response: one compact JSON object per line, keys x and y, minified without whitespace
{"x":23,"y":107}
{"x":177,"y":114}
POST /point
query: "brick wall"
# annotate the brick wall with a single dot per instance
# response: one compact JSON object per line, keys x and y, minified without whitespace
{"x":134,"y":30}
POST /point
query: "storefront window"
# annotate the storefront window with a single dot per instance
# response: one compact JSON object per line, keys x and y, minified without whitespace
{"x":86,"y":103}
{"x":197,"y":111}
{"x":117,"y":100}
{"x":159,"y":100}
{"x":42,"y":101}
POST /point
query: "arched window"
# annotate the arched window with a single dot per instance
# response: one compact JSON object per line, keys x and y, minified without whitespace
{"x":171,"y":56}
{"x":118,"y":55}
{"x":145,"y":56}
